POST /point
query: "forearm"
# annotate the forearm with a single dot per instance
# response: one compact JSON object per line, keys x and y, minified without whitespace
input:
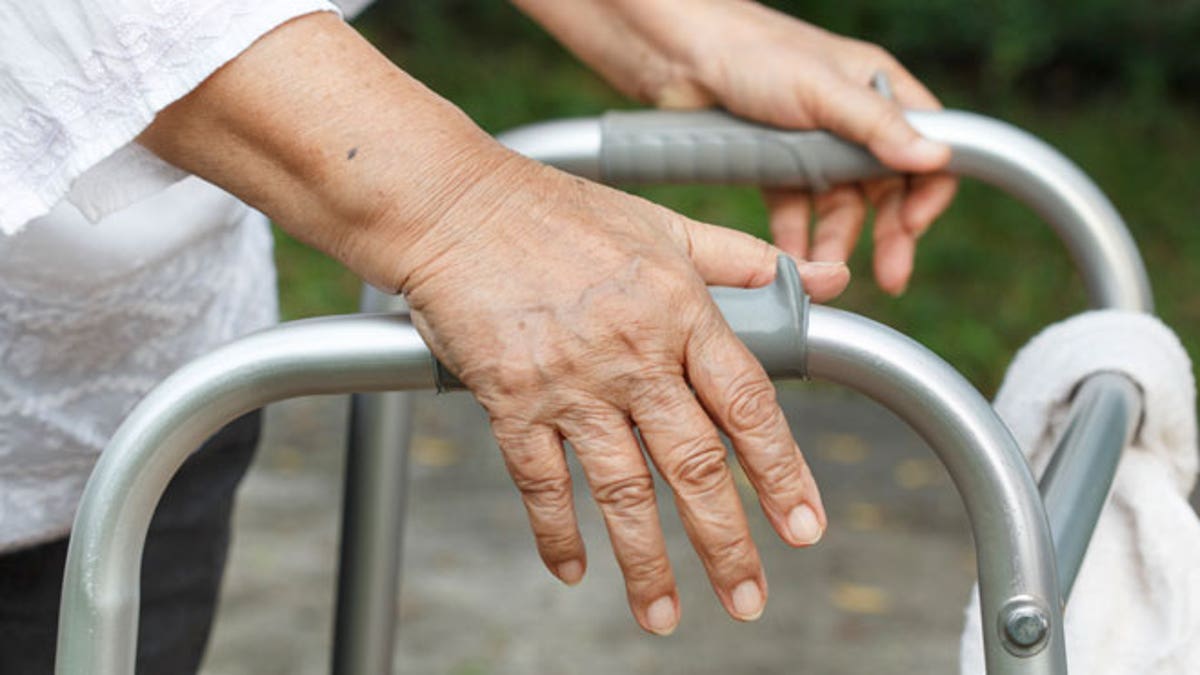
{"x":321,"y":132}
{"x":642,"y":47}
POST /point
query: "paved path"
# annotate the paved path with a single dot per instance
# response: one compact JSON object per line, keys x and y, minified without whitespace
{"x":882,"y":593}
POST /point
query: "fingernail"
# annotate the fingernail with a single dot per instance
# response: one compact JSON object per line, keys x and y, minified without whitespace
{"x":661,"y":617}
{"x":571,"y":572}
{"x":805,"y":527}
{"x":747,"y":600}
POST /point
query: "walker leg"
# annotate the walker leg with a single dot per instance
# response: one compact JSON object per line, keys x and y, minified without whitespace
{"x":372,"y":533}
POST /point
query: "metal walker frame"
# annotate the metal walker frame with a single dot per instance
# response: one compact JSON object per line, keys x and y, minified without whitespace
{"x":1029,"y":545}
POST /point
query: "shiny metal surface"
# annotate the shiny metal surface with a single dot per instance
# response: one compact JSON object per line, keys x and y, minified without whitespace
{"x":371,"y":352}
{"x":572,"y":145}
{"x":1104,"y":416}
{"x":98,"y":620}
{"x":995,"y":152}
{"x":373,"y":515}
{"x":1040,"y":177}
{"x":374,"y":503}
{"x":1012,"y":535}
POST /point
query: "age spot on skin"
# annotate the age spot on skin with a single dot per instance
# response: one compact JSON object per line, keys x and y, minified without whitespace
{"x":351,"y":153}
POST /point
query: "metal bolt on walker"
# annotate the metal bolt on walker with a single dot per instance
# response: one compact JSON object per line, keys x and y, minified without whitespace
{"x":1025,"y":626}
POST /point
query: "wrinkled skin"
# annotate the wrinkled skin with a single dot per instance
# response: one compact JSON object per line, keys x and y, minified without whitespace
{"x":581,"y":347}
{"x":572,"y":311}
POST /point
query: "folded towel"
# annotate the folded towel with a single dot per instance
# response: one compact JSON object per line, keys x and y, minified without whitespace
{"x":1135,"y":607}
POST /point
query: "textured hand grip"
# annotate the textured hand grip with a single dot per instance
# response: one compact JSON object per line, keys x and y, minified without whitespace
{"x":713,"y":147}
{"x":771,"y":321}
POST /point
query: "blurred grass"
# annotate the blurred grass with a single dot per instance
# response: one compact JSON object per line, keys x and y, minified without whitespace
{"x":989,"y":275}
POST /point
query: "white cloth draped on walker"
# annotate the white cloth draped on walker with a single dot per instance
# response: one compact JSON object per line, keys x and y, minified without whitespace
{"x":1135,"y":607}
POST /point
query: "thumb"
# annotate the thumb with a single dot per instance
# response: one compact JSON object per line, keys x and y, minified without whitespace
{"x":726,"y":257}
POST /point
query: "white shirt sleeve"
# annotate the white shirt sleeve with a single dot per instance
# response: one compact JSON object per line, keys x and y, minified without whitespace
{"x":80,"y":79}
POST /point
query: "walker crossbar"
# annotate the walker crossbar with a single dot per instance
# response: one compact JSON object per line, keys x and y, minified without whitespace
{"x":98,"y":622}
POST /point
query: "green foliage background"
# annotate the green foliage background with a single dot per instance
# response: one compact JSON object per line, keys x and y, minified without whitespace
{"x":1111,"y":84}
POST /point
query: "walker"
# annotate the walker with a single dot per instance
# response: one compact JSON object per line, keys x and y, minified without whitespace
{"x":1029,"y":541}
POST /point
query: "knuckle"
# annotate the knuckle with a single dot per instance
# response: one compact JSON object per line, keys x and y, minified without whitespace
{"x":733,"y":553}
{"x":545,"y":494}
{"x":660,"y":396}
{"x":590,"y":424}
{"x":781,"y":475}
{"x":627,"y":496}
{"x":643,"y":568}
{"x":752,"y":405}
{"x":556,"y":544}
{"x":844,"y":198}
{"x":518,"y":377}
{"x":702,"y":467}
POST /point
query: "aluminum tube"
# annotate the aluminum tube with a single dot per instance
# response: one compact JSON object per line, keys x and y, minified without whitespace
{"x":1103,"y":419}
{"x":373,"y":508}
{"x":572,"y":145}
{"x":1056,"y":189}
{"x":373,"y":514}
{"x":983,"y":148}
{"x":1012,"y":535}
{"x":99,"y":611}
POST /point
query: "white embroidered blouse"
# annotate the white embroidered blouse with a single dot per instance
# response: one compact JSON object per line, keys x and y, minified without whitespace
{"x":94,"y":314}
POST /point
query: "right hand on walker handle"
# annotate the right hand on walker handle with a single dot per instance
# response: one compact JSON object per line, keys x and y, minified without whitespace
{"x":573,"y":312}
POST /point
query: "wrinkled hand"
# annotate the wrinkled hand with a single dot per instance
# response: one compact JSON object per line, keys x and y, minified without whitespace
{"x":572,"y":311}
{"x":584,"y":313}
{"x":773,"y":68}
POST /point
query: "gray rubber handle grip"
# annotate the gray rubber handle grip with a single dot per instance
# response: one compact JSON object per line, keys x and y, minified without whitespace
{"x":711,"y":146}
{"x":771,"y":321}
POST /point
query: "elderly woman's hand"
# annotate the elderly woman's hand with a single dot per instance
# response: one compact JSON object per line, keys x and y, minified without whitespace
{"x":578,"y":313}
{"x":572,"y":311}
{"x":770,"y":67}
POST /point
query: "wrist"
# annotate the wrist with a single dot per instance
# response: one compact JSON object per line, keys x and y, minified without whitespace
{"x":314,"y":127}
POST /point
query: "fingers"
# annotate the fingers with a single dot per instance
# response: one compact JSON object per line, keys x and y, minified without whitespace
{"x":840,"y":215}
{"x":689,"y":454}
{"x":928,"y":196}
{"x":737,"y":393}
{"x":856,"y":112}
{"x":790,"y":212}
{"x":725,"y":257}
{"x":895,"y":245}
{"x":624,"y":490}
{"x":535,"y":460}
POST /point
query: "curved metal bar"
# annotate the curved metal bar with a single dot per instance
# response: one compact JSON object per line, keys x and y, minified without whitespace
{"x":99,"y":611}
{"x":687,"y":147}
{"x":1012,"y":535}
{"x":1042,"y":178}
{"x":98,"y":621}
